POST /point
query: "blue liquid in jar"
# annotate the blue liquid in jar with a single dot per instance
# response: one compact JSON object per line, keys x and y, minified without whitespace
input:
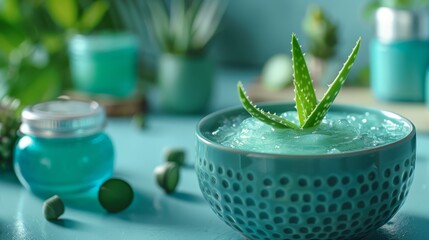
{"x":69,"y":156}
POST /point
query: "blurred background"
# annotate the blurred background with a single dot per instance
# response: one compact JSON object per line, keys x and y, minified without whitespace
{"x":34,"y":37}
{"x":115,"y":51}
{"x":252,"y":31}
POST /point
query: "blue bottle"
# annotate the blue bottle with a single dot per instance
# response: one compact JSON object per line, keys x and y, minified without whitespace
{"x":63,"y":149}
{"x":399,"y":55}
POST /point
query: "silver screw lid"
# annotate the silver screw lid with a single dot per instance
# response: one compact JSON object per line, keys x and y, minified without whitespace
{"x":401,"y":24}
{"x":63,"y":118}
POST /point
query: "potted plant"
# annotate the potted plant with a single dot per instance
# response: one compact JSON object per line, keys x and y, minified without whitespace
{"x":33,"y":55}
{"x":9,"y":125}
{"x":307,"y":173}
{"x":185,"y":73}
{"x":33,"y":58}
{"x":322,"y":35}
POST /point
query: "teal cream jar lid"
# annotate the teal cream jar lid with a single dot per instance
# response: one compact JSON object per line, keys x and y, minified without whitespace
{"x":63,"y":118}
{"x":392,"y":25}
{"x":63,"y":148}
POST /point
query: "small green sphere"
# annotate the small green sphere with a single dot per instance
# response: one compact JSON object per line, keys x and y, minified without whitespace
{"x":115,"y":195}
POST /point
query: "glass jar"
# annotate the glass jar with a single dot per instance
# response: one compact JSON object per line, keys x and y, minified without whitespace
{"x":63,"y":149}
{"x":104,"y":63}
{"x":399,"y":55}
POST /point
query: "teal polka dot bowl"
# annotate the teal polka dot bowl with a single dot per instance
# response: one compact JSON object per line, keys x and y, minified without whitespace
{"x":326,"y":196}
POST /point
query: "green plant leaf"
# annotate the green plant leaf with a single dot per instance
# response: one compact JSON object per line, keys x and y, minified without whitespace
{"x":207,"y":22}
{"x":179,"y":27}
{"x":10,"y":11}
{"x":93,"y":15}
{"x":305,"y":96}
{"x":63,"y":12}
{"x":36,"y":85}
{"x":322,"y":108}
{"x":192,"y":11}
{"x":159,"y":22}
{"x":11,"y":36}
{"x":53,"y":42}
{"x":188,"y":27}
{"x":369,"y":10}
{"x":266,"y":117}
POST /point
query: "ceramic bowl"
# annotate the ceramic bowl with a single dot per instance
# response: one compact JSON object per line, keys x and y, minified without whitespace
{"x":325,"y":196}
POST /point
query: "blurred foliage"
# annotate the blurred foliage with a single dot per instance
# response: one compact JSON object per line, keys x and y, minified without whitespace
{"x":399,"y":3}
{"x":372,"y":5}
{"x":184,"y":27}
{"x":362,"y":78}
{"x":9,"y":124}
{"x":33,"y":44}
{"x":33,"y":55}
{"x":321,"y":33}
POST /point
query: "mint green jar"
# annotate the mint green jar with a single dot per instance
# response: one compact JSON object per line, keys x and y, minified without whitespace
{"x":399,"y":54}
{"x":185,"y":83}
{"x":104,"y":64}
{"x":63,"y":149}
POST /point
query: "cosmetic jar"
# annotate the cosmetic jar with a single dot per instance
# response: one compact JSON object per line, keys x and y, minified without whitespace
{"x":104,"y":64}
{"x":399,"y":54}
{"x":62,"y":148}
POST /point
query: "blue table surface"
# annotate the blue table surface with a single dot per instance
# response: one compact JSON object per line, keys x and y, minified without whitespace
{"x":185,"y":214}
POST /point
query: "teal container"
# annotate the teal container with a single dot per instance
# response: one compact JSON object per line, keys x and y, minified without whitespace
{"x":185,"y":83}
{"x":399,"y":55}
{"x":398,"y":70}
{"x":63,"y":149}
{"x":319,"y":196}
{"x":104,"y":64}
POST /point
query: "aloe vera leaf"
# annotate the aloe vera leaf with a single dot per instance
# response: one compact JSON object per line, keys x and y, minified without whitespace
{"x":322,"y":108}
{"x":93,"y":15}
{"x":177,"y":25}
{"x":268,"y":118}
{"x":207,"y":21}
{"x":64,"y":13}
{"x":305,"y":97}
{"x":159,"y":20}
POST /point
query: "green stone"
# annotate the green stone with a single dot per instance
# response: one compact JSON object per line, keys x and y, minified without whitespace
{"x":53,"y":208}
{"x":139,"y":120}
{"x":115,"y":195}
{"x":168,"y":176}
{"x":176,"y":155}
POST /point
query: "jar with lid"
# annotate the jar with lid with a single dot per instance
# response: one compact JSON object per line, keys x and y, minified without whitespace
{"x":399,"y":55}
{"x":63,"y":149}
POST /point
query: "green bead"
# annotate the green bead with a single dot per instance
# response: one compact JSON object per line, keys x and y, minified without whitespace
{"x":53,"y":208}
{"x":139,"y":120}
{"x":176,"y":155}
{"x":115,"y":195}
{"x":167,"y":176}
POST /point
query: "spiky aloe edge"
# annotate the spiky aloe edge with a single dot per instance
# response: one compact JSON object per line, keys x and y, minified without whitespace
{"x":310,"y":112}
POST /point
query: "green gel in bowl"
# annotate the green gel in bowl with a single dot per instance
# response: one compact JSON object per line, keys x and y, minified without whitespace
{"x":309,"y":196}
